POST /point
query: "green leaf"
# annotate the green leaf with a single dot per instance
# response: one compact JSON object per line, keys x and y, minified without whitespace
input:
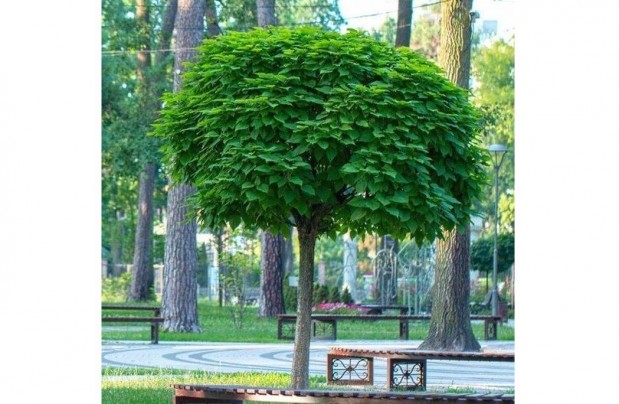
{"x":357,"y":214}
{"x":400,"y":197}
{"x":308,"y":189}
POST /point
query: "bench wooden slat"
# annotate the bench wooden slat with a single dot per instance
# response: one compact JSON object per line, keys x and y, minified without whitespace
{"x":424,"y":354}
{"x":112,"y":307}
{"x":109,"y":319}
{"x":217,"y":393}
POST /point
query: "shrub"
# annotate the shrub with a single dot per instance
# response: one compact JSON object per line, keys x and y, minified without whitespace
{"x":320,"y":294}
{"x":334,"y":295}
{"x":346,"y":297}
{"x":116,"y":290}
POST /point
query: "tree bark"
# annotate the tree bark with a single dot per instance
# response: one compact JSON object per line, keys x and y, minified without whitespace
{"x":450,"y":326}
{"x":212,"y":26}
{"x":405,"y":18}
{"x":179,"y":300}
{"x":266,"y":12}
{"x":142,"y":279}
{"x":273,"y":252}
{"x":455,"y":50}
{"x":272,"y":280}
{"x":300,"y":361}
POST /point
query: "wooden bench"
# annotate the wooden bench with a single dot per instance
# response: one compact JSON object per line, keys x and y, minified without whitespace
{"x":324,"y":326}
{"x":154,"y":321}
{"x":406,"y":368}
{"x":185,"y":394}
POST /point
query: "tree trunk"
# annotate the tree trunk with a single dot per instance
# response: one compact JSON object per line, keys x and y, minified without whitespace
{"x":266,"y":12}
{"x":212,"y":26}
{"x":405,"y":18}
{"x":300,"y":361}
{"x":180,"y":301}
{"x":272,"y":280}
{"x":142,"y":276}
{"x":273,"y":253}
{"x":455,"y":51}
{"x":450,"y":326}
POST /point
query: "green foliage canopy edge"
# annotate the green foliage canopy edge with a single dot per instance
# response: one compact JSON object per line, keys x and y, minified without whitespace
{"x":275,"y":125}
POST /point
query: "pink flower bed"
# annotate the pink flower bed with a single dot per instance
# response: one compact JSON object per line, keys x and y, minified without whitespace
{"x":339,"y":308}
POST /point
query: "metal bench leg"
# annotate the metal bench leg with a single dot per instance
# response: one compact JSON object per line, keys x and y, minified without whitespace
{"x":349,"y":370}
{"x":324,"y":329}
{"x":404,"y":329}
{"x":490,"y":329}
{"x":407,"y":374}
{"x":154,"y":333}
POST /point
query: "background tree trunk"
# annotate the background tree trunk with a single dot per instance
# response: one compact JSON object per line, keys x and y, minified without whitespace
{"x":266,"y":12}
{"x":142,"y":279}
{"x":455,"y":50}
{"x":450,"y":326}
{"x":405,"y":19}
{"x":300,"y":360}
{"x":179,"y":300}
{"x":273,"y":252}
{"x":142,"y":268}
{"x":212,"y":26}
{"x":271,"y":282}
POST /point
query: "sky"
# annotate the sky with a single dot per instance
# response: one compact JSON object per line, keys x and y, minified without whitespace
{"x":368,"y":14}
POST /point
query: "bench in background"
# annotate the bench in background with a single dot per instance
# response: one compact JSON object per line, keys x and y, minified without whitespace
{"x":154,"y":320}
{"x":324,"y":326}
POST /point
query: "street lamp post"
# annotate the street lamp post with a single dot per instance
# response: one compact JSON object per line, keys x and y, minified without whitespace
{"x":498,"y":153}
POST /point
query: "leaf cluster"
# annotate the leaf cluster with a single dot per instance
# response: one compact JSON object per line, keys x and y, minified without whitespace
{"x":313,"y":128}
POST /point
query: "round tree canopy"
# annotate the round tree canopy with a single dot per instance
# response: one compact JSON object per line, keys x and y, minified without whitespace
{"x":307,"y":127}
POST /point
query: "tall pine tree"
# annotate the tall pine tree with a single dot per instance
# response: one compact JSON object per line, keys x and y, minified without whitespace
{"x":450,"y":326}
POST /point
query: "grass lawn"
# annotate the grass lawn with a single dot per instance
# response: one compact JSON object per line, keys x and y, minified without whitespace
{"x":154,"y":386}
{"x":217,"y":326}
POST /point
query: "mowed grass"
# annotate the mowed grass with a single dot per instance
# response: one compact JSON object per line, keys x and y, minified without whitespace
{"x":154,"y":386}
{"x":217,"y":326}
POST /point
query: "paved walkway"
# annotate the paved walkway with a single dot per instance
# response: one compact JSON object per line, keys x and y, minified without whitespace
{"x":277,"y":357}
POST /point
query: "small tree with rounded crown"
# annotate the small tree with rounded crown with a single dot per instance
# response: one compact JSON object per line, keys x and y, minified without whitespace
{"x":324,"y":131}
